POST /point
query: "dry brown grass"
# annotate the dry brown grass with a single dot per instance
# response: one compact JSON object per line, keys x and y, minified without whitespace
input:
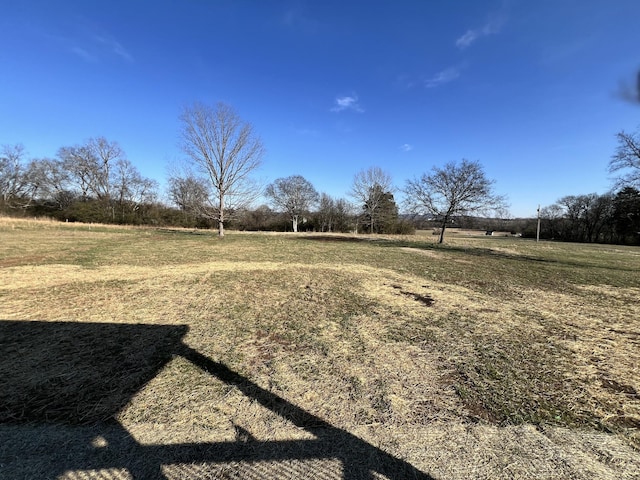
{"x":484,"y":358}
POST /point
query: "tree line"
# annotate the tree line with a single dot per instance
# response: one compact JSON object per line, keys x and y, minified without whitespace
{"x":214,"y":188}
{"x":612,"y":217}
{"x":594,"y":218}
{"x":92,"y":182}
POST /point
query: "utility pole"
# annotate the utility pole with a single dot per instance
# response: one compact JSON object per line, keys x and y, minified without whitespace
{"x":538,"y":229}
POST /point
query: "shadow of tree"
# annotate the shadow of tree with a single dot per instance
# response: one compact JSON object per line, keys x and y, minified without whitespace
{"x":63,"y":383}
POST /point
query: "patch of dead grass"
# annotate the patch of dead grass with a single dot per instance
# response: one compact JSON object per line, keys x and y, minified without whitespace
{"x":344,"y":331}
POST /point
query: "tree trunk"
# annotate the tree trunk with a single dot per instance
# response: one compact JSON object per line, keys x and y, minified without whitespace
{"x":221,"y":217}
{"x":294,"y":222}
{"x":444,"y":226}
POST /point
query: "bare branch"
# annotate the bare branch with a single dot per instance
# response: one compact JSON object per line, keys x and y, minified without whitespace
{"x":16,"y":186}
{"x":627,"y":160}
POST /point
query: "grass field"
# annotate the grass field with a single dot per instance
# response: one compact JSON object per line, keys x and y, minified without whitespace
{"x":158,"y":353}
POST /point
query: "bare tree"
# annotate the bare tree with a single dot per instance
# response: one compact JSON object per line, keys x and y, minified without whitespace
{"x":99,"y":170}
{"x":91,"y":166}
{"x":585,"y":218}
{"x":326,"y":213}
{"x":223,"y":150}
{"x":130,"y":189}
{"x":456,"y":189}
{"x":294,"y":194}
{"x":345,"y":219}
{"x":189,"y":193}
{"x":370,"y":188}
{"x":55,"y":182}
{"x":18,"y":181}
{"x":554,"y":224}
{"x":79,"y":162}
{"x":11,"y":171}
{"x":627,"y":159}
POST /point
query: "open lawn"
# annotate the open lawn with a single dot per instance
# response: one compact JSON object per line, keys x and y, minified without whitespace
{"x":160,"y":353}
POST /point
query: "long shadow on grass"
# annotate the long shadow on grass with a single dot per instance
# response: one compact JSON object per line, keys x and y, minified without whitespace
{"x":473,"y":251}
{"x":63,"y":383}
{"x":338,"y":238}
{"x":432,"y":247}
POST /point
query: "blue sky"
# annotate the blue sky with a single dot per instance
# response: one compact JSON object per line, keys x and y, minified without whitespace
{"x":530,"y":89}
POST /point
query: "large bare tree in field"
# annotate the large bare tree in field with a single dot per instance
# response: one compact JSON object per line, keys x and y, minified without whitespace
{"x":295,"y":195}
{"x":455,"y":189}
{"x":224,"y":150}
{"x":370,"y":188}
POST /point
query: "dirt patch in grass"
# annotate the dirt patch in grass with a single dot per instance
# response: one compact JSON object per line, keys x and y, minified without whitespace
{"x":619,"y":388}
{"x":425,"y":299}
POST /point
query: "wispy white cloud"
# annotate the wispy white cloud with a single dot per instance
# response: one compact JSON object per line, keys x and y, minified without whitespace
{"x":561,"y":52}
{"x":349,"y":102}
{"x":405,"y":81}
{"x":406,"y":147}
{"x":114,"y":47}
{"x":289,"y":18}
{"x":82,"y":53}
{"x":295,"y":19}
{"x":307,"y":132}
{"x":467,"y":39}
{"x":491,"y":27}
{"x":445,"y":76}
{"x":92,"y":47}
